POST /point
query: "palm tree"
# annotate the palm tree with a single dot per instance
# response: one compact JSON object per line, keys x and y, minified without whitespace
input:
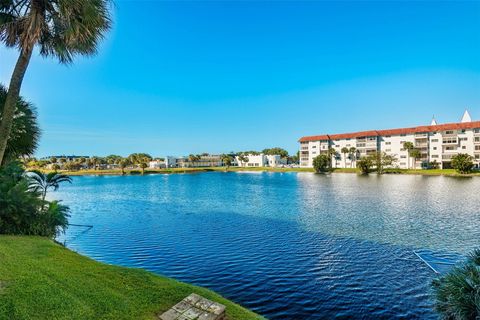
{"x":352,"y":152}
{"x":95,"y":162}
{"x":61,"y":29}
{"x":143,"y":162}
{"x":41,"y":182}
{"x":415,"y":154}
{"x":409,"y":147}
{"x":332,"y":153}
{"x":227,"y":160}
{"x":243,"y":159}
{"x":123,"y":163}
{"x":25,"y":133}
{"x":344,"y":151}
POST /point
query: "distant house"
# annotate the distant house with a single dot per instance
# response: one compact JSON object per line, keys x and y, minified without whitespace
{"x":156,"y":164}
{"x":261,"y":160}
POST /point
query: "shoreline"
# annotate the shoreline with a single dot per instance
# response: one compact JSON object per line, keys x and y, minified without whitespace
{"x":136,"y":172}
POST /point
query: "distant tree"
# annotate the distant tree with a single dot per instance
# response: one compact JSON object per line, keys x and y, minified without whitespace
{"x":53,"y":160}
{"x":123,"y":163}
{"x":365,"y":165}
{"x":276,"y":151}
{"x":55,"y":167}
{"x":62,"y":160}
{"x":95,"y":162}
{"x":434,"y":165}
{"x":415,"y":154}
{"x":382,"y":160}
{"x":227,"y":160}
{"x":322,"y":163}
{"x":72,"y":166}
{"x":345,"y":150}
{"x":143,"y":163}
{"x":137,"y":158}
{"x":462,"y":162}
{"x":408,"y":146}
{"x":193,"y":158}
{"x":243,"y":159}
{"x":353,"y":155}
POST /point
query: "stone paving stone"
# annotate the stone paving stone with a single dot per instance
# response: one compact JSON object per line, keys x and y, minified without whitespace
{"x":195,"y":307}
{"x":171,"y":314}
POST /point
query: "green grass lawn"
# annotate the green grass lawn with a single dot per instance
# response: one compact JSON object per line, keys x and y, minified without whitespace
{"x":40,"y":279}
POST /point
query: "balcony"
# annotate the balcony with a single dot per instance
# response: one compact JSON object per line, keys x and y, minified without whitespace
{"x":450,"y":141}
{"x":421,"y":135}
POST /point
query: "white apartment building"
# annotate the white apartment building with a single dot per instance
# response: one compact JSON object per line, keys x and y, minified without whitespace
{"x":261,"y":160}
{"x":436,"y":143}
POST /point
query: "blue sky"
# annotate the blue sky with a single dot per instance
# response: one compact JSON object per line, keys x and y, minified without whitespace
{"x":177,"y":77}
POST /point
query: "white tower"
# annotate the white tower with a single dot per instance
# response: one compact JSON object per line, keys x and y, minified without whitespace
{"x":434,"y":122}
{"x":466,"y":117}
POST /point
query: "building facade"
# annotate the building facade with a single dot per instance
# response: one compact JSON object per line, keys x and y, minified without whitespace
{"x":261,"y":160}
{"x":436,"y":143}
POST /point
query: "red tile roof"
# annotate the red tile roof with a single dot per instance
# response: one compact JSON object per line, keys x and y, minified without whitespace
{"x":393,"y":132}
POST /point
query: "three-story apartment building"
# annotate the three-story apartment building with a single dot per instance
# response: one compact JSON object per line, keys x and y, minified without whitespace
{"x":437,"y":143}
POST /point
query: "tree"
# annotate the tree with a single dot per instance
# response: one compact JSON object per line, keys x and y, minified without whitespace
{"x":382,"y":160}
{"x":276,"y":151}
{"x":345,"y":150}
{"x":53,"y":160}
{"x":95,"y":162}
{"x":332,"y":153}
{"x":143,"y":163}
{"x":353,"y":155}
{"x":457,"y":292}
{"x":462,"y":162}
{"x":25,"y":133}
{"x":123,"y":163}
{"x":408,"y":146}
{"x":322,"y":163}
{"x":415,"y":154}
{"x":243,"y":159}
{"x":61,"y":29}
{"x":365,"y":165}
{"x":41,"y":182}
{"x":227,"y":160}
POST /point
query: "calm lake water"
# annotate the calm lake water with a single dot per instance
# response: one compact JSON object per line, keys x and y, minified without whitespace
{"x":286,"y":245}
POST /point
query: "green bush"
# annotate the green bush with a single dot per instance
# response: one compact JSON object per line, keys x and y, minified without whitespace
{"x":365,"y":165}
{"x":22,"y":209}
{"x":457,"y":293}
{"x":321,"y":163}
{"x":462,"y":162}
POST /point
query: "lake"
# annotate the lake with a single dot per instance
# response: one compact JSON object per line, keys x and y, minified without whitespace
{"x":286,"y":245}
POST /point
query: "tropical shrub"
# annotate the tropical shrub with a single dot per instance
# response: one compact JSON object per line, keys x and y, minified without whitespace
{"x":365,"y":165}
{"x":321,"y":163}
{"x":457,"y":294}
{"x":462,"y":162}
{"x":23,"y":210}
{"x":25,"y":132}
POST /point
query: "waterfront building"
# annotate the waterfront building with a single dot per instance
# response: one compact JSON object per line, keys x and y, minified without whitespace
{"x":261,"y":160}
{"x":437,"y":144}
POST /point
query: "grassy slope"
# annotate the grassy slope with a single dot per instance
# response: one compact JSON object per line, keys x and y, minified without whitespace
{"x":43,"y":280}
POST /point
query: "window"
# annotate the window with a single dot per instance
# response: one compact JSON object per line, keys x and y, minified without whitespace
{"x":434,"y":148}
{"x":403,"y":157}
{"x":388,"y":150}
{"x":463,"y":139}
{"x":464,"y":147}
{"x":450,"y":140}
{"x":337,"y":146}
{"x":403,"y":135}
{"x":434,"y":140}
{"x":477,"y":148}
{"x":402,"y":163}
{"x":313,"y":147}
{"x":388,"y":143}
{"x":434,"y":156}
{"x":477,"y":139}
{"x":449,"y":132}
{"x":476,"y":130}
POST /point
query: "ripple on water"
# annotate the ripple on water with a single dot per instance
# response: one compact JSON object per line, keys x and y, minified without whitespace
{"x":289,"y":246}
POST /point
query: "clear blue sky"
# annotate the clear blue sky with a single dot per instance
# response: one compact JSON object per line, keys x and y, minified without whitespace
{"x":176,"y":77}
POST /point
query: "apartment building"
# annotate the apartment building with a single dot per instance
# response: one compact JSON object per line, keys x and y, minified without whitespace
{"x":436,"y":142}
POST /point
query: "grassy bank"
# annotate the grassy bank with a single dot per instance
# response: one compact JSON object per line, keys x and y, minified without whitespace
{"x":431,"y":172}
{"x":43,"y":280}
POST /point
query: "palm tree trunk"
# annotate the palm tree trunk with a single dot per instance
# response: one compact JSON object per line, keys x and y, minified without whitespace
{"x":12,"y":98}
